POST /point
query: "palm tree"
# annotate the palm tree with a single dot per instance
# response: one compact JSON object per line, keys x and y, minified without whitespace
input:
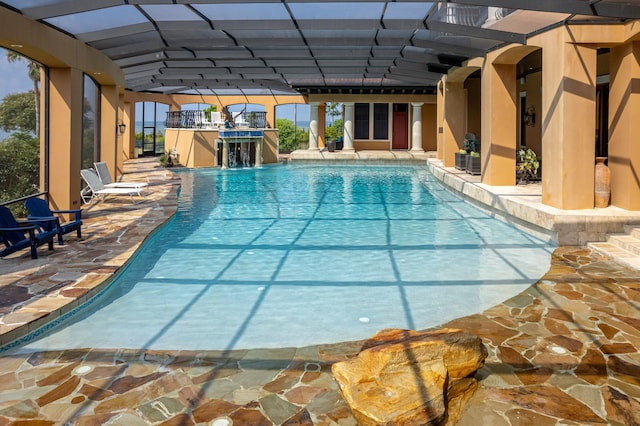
{"x":34,"y":74}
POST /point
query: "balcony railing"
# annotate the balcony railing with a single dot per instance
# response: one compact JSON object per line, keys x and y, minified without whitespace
{"x":193,"y":119}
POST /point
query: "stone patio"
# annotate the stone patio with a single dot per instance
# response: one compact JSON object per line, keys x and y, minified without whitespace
{"x":565,"y":351}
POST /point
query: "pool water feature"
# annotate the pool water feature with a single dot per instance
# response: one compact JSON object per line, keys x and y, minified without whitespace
{"x":297,"y":255}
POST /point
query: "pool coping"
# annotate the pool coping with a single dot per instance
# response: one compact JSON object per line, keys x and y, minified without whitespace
{"x":521,"y":205}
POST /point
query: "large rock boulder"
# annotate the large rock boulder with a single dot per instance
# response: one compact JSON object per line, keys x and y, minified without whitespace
{"x":405,"y":377}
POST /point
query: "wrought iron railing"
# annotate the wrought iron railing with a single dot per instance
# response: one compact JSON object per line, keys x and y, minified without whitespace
{"x":256,"y":119}
{"x":193,"y":119}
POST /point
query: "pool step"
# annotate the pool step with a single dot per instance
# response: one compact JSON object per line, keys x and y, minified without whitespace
{"x":623,"y":248}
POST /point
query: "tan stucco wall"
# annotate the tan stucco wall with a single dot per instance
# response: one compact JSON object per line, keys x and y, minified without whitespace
{"x":195,"y":148}
{"x":429,"y":127}
{"x":455,"y":120}
{"x":270,"y":146}
{"x":624,"y":126}
{"x":198,"y":148}
{"x":361,"y":145}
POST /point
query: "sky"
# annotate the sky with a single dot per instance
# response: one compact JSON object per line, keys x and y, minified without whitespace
{"x":287,"y":111}
{"x":15,"y":77}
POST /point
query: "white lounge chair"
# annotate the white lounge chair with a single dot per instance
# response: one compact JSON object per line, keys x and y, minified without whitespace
{"x":239,"y":120}
{"x":105,"y":177}
{"x":216,"y":119}
{"x":95,"y":188}
{"x":205,"y":122}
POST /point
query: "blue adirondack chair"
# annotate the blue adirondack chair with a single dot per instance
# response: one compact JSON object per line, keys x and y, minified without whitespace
{"x":39,"y":210}
{"x":20,"y":235}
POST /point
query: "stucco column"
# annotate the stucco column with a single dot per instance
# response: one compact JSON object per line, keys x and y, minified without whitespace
{"x":568,"y":120}
{"x":225,"y":153}
{"x":624,"y":126}
{"x":416,"y":128}
{"x":270,"y":110}
{"x":348,"y":126}
{"x":454,"y":122}
{"x":129,"y":137}
{"x":65,"y":137}
{"x":322,"y":123}
{"x":313,"y":127}
{"x":499,"y":121}
{"x":440,"y":119}
{"x":259,"y":145}
{"x":109,"y":134}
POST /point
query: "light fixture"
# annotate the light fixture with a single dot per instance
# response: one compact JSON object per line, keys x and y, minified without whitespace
{"x":522,"y":80}
{"x":121,"y":127}
{"x":16,"y":46}
{"x":529,"y":116}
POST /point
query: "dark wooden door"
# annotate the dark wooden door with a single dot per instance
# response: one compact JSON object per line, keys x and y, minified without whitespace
{"x":400,"y":139}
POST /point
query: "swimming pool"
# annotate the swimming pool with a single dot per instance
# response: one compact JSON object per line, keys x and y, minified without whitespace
{"x":298,"y":255}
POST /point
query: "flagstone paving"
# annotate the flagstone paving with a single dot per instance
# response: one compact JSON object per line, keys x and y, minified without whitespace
{"x":565,"y":351}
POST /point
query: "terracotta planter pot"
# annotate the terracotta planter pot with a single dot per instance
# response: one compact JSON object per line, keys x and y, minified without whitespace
{"x":602,"y":184}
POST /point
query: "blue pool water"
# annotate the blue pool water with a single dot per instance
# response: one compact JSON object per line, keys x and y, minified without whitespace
{"x":298,"y":255}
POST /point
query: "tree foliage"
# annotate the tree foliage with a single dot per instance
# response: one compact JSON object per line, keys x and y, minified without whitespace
{"x":334,"y":110}
{"x":18,"y":113}
{"x":334,"y":130}
{"x":19,"y":168}
{"x":290,"y":136}
{"x":33,"y":70}
{"x":20,"y":152}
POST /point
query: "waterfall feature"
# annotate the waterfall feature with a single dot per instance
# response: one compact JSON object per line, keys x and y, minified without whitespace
{"x":242,"y":144}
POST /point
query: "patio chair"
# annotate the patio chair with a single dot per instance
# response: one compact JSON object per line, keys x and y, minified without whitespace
{"x":205,"y":123}
{"x":216,"y":119}
{"x":105,"y":177}
{"x":20,"y":235}
{"x":39,"y":209}
{"x":239,"y":120}
{"x":96,"y":189}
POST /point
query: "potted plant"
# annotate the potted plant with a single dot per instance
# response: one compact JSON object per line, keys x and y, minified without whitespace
{"x":469,"y":145}
{"x":461,"y":159}
{"x":473,"y":163}
{"x":527,"y":165}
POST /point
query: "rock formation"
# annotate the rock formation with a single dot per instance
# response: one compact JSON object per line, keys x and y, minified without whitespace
{"x":405,"y":377}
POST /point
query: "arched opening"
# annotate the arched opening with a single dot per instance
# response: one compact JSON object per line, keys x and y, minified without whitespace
{"x":150,"y":128}
{"x":529,"y":88}
{"x":509,"y":92}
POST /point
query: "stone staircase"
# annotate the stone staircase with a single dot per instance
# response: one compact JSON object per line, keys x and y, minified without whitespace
{"x":623,"y":248}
